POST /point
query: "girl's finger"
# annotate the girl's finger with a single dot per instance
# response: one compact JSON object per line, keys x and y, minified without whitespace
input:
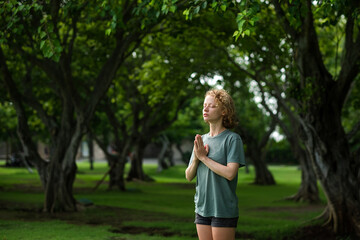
{"x":200,"y":141}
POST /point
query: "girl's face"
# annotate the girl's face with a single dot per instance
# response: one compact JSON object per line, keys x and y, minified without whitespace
{"x":212,"y":110}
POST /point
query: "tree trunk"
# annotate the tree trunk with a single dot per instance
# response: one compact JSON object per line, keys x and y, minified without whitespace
{"x":336,"y":172}
{"x":262,"y":174}
{"x":62,"y":172}
{"x":308,"y":191}
{"x":117,"y":170}
{"x":59,"y":194}
{"x":90,"y":142}
{"x":326,"y":138}
{"x":136,"y":170}
{"x":183,"y":158}
{"x":162,"y":164}
{"x":8,"y":150}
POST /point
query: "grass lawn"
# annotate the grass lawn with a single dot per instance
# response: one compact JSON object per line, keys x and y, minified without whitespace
{"x":163,"y":209}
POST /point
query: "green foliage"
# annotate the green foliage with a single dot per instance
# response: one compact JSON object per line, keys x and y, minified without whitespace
{"x":247,"y":16}
{"x":195,"y":6}
{"x":351,"y":115}
{"x":189,"y":122}
{"x":246,"y":19}
{"x":280,"y":153}
{"x":7,"y":121}
{"x":154,"y":81}
{"x":150,"y":10}
{"x":15,"y":14}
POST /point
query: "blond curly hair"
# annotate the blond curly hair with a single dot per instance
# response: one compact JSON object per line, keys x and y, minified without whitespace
{"x":223,"y":98}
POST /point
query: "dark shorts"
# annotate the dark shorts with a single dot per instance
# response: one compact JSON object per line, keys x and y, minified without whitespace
{"x":216,"y":222}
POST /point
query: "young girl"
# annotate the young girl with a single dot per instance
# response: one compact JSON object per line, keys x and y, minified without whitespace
{"x":215,"y":161}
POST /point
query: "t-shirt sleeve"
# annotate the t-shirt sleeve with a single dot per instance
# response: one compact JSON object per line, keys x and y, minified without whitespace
{"x":236,"y":151}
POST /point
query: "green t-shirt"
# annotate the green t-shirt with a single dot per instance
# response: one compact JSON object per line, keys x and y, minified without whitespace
{"x":215,"y":195}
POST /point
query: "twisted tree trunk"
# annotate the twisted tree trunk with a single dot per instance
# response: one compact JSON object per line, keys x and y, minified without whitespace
{"x":308,"y":190}
{"x":136,"y":170}
{"x":336,"y":170}
{"x":62,"y":171}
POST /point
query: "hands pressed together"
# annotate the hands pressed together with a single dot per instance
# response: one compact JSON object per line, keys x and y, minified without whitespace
{"x":200,"y":150}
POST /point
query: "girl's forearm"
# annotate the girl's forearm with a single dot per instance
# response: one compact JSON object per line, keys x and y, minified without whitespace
{"x":229,"y":171}
{"x":190,"y":171}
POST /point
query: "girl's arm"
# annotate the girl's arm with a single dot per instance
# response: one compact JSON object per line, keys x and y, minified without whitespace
{"x":229,"y":171}
{"x":190,"y":171}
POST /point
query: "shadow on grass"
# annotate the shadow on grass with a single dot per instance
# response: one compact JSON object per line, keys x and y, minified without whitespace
{"x":115,"y":217}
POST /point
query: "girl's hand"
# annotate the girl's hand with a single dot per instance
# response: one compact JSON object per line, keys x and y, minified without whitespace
{"x":200,"y":150}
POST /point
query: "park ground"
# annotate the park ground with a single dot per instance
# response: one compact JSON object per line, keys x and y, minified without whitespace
{"x":163,"y":209}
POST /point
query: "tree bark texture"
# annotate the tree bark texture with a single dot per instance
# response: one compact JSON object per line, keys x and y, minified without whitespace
{"x":308,"y":191}
{"x":320,"y":115}
{"x":62,"y":172}
{"x":136,"y":170}
{"x":117,"y":166}
{"x":165,"y":157}
{"x":256,"y":150}
{"x":262,"y":174}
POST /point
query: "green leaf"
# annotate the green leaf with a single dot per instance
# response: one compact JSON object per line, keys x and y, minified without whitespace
{"x":204,"y":5}
{"x":42,"y":34}
{"x":223,"y":7}
{"x":58,"y":49}
{"x":56,"y":57}
{"x":196,"y":10}
{"x":236,"y":35}
{"x":241,"y":24}
{"x":42,"y":44}
{"x":113,"y":25}
{"x":173,"y":9}
{"x":108,"y":32}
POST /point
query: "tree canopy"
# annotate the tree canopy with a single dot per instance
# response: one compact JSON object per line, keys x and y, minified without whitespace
{"x":126,"y":70}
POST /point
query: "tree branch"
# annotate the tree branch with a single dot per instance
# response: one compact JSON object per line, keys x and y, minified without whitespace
{"x":222,"y":49}
{"x":30,"y":99}
{"x":286,"y":24}
{"x":350,"y":65}
{"x":29,"y":146}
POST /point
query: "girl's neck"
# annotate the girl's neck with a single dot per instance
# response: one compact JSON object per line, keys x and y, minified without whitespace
{"x":216,"y":129}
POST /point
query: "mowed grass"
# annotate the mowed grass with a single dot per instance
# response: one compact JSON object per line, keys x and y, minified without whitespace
{"x":163,"y":209}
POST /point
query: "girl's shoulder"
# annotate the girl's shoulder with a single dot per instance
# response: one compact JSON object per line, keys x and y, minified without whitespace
{"x":232,"y":135}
